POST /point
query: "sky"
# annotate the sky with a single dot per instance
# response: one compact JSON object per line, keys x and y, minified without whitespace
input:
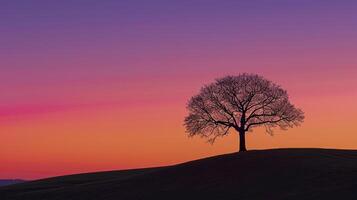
{"x":103,"y":85}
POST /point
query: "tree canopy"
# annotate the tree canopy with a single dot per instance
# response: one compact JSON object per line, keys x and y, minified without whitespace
{"x":241,"y":103}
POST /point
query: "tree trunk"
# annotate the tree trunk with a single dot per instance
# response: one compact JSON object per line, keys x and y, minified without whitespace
{"x":242,"y":141}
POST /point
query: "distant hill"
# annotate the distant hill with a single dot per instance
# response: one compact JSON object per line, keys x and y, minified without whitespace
{"x":4,"y":182}
{"x":263,"y":174}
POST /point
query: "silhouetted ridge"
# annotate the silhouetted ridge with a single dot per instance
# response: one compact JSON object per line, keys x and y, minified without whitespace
{"x":4,"y":182}
{"x":260,"y":174}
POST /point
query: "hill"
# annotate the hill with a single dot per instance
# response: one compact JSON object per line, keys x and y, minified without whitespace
{"x":10,"y":181}
{"x":261,"y":174}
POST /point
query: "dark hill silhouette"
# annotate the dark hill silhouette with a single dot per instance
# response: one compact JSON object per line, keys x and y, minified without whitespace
{"x":261,"y":174}
{"x":10,"y":181}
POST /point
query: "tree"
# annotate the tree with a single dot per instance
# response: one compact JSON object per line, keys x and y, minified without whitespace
{"x":240,"y":103}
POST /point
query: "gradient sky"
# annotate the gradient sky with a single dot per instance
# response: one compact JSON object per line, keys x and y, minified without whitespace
{"x":103,"y":85}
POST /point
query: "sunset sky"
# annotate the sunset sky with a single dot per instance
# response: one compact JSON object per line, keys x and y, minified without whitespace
{"x":103,"y":85}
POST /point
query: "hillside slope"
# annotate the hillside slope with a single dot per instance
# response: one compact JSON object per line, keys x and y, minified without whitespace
{"x":10,"y":181}
{"x":261,"y":174}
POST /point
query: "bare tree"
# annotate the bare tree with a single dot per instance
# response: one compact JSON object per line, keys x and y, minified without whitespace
{"x":240,"y":103}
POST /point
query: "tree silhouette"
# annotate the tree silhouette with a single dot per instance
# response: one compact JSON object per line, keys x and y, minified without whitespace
{"x":240,"y":103}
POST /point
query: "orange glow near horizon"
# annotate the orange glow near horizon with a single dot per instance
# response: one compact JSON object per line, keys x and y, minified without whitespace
{"x":132,"y":135}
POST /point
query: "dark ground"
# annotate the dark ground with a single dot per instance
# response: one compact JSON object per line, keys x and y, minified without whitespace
{"x":264,"y":174}
{"x":10,"y":181}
